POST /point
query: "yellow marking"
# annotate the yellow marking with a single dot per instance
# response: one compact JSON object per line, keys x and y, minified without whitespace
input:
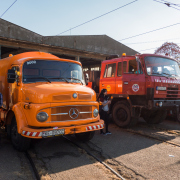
{"x":108,"y":87}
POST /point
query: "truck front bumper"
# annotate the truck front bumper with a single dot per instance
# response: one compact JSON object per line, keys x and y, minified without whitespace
{"x":57,"y":131}
{"x":161,"y":103}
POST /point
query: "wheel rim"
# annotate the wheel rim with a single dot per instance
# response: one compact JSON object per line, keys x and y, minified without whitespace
{"x":121,"y":115}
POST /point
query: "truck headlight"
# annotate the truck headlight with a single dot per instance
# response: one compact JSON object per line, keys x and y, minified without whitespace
{"x":95,"y":112}
{"x":160,"y":104}
{"x":42,"y":116}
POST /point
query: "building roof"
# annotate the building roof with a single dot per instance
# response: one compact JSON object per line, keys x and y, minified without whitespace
{"x":93,"y":44}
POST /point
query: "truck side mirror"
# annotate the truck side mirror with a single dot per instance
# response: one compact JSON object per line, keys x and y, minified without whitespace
{"x":11,"y":76}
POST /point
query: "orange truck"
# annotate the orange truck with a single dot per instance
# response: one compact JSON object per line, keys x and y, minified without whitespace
{"x":45,"y":96}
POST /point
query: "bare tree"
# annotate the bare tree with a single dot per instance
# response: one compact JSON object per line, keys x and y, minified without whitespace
{"x":169,"y":49}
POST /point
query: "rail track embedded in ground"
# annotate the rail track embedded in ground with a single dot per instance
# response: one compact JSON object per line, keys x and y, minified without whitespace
{"x":96,"y":158}
{"x":139,"y":132}
{"x":154,"y":127}
{"x":35,"y":172}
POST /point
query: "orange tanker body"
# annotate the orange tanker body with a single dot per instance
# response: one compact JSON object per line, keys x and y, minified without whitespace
{"x":45,"y":96}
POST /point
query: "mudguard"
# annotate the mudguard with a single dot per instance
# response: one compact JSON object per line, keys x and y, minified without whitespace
{"x":20,"y":117}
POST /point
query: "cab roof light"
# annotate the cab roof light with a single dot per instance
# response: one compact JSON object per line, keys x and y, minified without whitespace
{"x":10,"y":55}
{"x":123,"y":54}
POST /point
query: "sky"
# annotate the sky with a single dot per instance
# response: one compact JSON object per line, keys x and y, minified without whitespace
{"x":126,"y":19}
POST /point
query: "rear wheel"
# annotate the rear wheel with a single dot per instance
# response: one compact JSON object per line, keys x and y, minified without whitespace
{"x":121,"y":114}
{"x":86,"y":136}
{"x":154,"y":116}
{"x":19,"y":142}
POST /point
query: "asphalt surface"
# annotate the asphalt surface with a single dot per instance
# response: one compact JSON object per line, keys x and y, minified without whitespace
{"x":131,"y":155}
{"x":13,"y":164}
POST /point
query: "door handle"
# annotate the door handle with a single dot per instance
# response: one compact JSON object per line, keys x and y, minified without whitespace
{"x":103,"y":85}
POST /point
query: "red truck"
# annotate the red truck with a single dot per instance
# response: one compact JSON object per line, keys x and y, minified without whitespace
{"x":143,"y":85}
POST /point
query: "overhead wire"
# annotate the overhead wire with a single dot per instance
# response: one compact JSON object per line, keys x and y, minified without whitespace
{"x":153,"y":48}
{"x":152,"y":41}
{"x":97,"y":17}
{"x":154,"y":29}
{"x":8,"y":8}
{"x":148,"y":49}
{"x":166,"y":3}
{"x":169,"y":4}
{"x":149,"y":32}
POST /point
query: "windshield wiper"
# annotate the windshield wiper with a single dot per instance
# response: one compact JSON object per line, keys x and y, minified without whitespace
{"x":169,"y":75}
{"x":41,"y":77}
{"x":61,"y":78}
{"x":156,"y":74}
{"x":75,"y":79}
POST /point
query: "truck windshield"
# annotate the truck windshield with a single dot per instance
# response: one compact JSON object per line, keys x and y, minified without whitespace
{"x":159,"y":66}
{"x":50,"y":71}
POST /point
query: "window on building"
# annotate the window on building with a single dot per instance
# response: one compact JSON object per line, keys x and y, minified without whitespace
{"x":95,"y":69}
{"x":85,"y":69}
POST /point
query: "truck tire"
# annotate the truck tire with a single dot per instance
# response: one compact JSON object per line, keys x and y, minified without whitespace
{"x":84,"y":137}
{"x":121,"y":114}
{"x":19,"y":142}
{"x":8,"y":130}
{"x":155,"y":117}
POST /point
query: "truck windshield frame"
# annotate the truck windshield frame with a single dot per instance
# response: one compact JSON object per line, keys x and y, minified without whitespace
{"x":161,"y":66}
{"x":51,"y":71}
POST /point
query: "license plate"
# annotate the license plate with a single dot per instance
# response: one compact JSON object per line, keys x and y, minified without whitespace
{"x":57,"y":132}
{"x":159,"y":88}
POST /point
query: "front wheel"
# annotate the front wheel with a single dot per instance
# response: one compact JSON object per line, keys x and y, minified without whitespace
{"x":19,"y":142}
{"x":86,"y":136}
{"x":122,"y":114}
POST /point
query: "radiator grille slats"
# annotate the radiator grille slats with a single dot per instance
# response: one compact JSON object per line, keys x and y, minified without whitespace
{"x":172,"y":92}
{"x":62,"y":97}
{"x":84,"y":97}
{"x":65,"y":113}
{"x":68,"y":97}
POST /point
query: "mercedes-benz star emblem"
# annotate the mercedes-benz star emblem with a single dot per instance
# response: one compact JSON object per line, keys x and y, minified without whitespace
{"x":74,"y":95}
{"x":73,"y":113}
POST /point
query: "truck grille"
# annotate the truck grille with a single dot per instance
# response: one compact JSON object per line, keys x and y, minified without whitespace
{"x":62,"y":97}
{"x":172,"y":92}
{"x":71,"y":113}
{"x":65,"y":97}
{"x":84,"y":97}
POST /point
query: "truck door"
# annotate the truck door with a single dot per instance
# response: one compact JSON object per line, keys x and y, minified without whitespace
{"x":14,"y":87}
{"x":133,"y":77}
{"x":108,"y":79}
